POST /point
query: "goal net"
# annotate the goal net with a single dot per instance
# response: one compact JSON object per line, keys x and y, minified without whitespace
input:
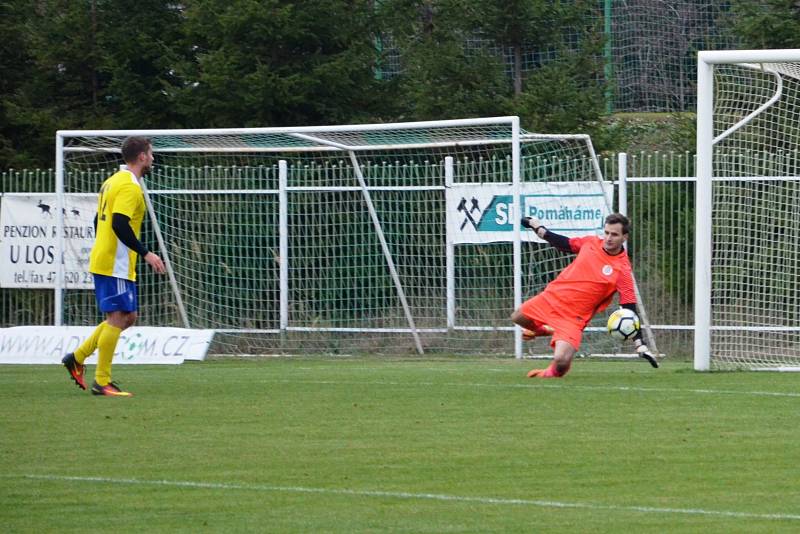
{"x":348,"y":239}
{"x":748,"y":208}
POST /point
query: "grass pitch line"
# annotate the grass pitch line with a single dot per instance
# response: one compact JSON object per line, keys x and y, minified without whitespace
{"x":529,"y":384}
{"x":701,"y":391}
{"x":407,"y":495}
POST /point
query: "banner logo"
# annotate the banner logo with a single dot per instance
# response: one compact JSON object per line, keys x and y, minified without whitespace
{"x":469,"y":213}
{"x":485,"y":213}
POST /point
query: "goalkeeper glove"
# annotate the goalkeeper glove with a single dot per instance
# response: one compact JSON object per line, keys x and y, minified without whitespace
{"x":644,"y":352}
{"x":533,"y":223}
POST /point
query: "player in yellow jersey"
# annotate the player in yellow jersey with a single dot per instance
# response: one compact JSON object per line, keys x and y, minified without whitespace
{"x":118,"y":224}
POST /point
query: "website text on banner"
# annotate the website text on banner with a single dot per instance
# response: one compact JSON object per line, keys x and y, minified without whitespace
{"x":137,"y":345}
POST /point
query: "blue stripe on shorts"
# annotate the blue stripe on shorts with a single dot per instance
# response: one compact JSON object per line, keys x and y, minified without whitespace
{"x":115,"y":294}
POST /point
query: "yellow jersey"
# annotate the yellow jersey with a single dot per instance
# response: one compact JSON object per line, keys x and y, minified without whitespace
{"x":120,"y":193}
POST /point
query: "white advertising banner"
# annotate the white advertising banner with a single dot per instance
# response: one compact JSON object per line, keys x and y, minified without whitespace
{"x":28,"y":240}
{"x":139,"y":344}
{"x":484,"y":213}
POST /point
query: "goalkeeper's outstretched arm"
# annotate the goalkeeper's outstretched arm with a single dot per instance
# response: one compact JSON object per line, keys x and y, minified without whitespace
{"x":556,"y":240}
{"x":641,"y":348}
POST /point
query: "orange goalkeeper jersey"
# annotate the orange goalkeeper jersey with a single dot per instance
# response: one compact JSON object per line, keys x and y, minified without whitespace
{"x":588,"y":283}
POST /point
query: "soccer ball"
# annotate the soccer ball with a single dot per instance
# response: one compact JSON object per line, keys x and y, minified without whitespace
{"x":623,"y":323}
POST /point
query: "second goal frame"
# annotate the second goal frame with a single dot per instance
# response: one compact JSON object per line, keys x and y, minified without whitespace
{"x":748,"y":116}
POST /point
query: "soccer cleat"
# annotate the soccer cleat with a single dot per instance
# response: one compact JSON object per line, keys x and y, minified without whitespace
{"x":527,"y":335}
{"x":550,"y":372}
{"x":109,"y":390}
{"x":644,"y":353}
{"x":649,"y":357}
{"x":75,"y":369}
{"x":540,"y":331}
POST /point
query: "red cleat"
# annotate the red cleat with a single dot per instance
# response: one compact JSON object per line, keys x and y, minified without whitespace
{"x":540,"y":331}
{"x":75,"y":369}
{"x":109,"y":390}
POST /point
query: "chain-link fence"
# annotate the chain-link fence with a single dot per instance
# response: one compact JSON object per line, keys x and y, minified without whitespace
{"x":650,"y":55}
{"x":654,"y":46}
{"x":660,"y":201}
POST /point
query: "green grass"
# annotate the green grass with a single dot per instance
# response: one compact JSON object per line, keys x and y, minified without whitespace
{"x":401,"y":445}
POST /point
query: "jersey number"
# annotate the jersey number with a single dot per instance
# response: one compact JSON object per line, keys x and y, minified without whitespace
{"x":102,"y":203}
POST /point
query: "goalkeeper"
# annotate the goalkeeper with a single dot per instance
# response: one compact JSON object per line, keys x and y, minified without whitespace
{"x":118,"y":223}
{"x":584,"y":288}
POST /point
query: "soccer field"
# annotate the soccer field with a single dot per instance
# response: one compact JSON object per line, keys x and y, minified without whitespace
{"x":401,"y":445}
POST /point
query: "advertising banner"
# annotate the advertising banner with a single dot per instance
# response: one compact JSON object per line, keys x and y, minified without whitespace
{"x":484,"y":213}
{"x":136,"y":345}
{"x":28,"y":228}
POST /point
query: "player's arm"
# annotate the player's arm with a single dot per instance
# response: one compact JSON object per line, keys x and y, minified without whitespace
{"x":556,"y":240}
{"x":627,"y":299}
{"x":128,"y":198}
{"x":121,"y":224}
{"x":638,"y":341}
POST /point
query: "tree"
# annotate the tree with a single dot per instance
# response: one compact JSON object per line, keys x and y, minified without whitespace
{"x":93,"y":64}
{"x":440,"y":76}
{"x":655,"y":50}
{"x":14,"y":66}
{"x":59,"y":75}
{"x":454,"y":60}
{"x":534,"y":31}
{"x":137,"y":64}
{"x":767,"y":23}
{"x":561,"y":88}
{"x":541,"y":26}
{"x":561,"y":97}
{"x":273,"y":63}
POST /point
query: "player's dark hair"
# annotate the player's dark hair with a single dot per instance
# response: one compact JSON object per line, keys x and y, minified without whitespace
{"x":133,"y":146}
{"x":618,"y":218}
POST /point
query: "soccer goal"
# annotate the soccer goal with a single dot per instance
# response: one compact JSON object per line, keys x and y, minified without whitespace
{"x":747,"y":290}
{"x":387,"y":239}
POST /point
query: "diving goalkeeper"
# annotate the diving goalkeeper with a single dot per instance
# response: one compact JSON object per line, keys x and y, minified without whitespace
{"x":584,"y":288}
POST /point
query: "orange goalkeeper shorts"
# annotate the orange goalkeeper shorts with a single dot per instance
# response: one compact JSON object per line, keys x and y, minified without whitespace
{"x":540,"y":310}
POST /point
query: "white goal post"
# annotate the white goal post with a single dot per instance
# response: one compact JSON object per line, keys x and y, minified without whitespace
{"x":747,"y":212}
{"x":381,"y":238}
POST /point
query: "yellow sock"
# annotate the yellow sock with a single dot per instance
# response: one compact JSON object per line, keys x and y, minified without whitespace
{"x":107,"y":343}
{"x":88,"y":347}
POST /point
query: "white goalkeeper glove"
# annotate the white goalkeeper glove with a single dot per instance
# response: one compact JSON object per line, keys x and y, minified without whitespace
{"x":533,"y":223}
{"x":644,"y":352}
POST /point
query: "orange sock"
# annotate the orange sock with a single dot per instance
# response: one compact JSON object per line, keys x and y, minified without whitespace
{"x":553,"y":372}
